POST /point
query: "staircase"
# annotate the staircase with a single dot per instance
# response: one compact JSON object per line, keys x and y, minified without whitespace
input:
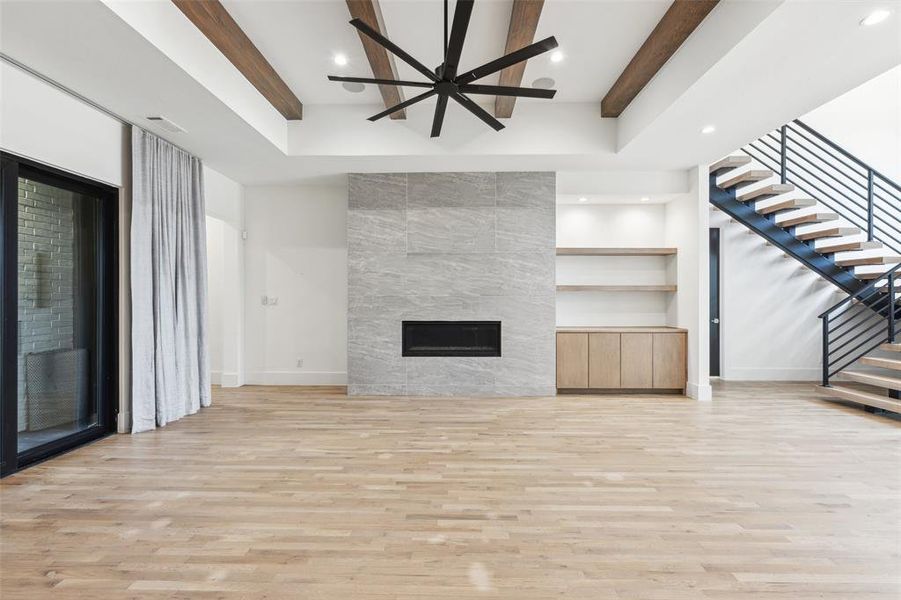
{"x":841,"y":219}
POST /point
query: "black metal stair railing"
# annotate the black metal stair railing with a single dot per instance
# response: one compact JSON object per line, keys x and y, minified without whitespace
{"x":834,"y":177}
{"x":862,"y":197}
{"x":861,"y":323}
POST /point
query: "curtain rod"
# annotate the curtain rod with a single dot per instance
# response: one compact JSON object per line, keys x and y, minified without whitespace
{"x":23,"y":67}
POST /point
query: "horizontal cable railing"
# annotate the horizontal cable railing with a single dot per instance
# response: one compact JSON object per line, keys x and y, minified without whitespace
{"x":861,"y":322}
{"x":834,"y":177}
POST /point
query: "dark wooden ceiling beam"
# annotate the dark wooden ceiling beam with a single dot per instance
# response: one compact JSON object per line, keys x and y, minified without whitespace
{"x":680,"y":20}
{"x":523,"y":23}
{"x":211,"y":18}
{"x":381,"y":62}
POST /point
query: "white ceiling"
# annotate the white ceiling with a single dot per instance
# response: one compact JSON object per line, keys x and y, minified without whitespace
{"x":300,"y":39}
{"x":751,"y":65}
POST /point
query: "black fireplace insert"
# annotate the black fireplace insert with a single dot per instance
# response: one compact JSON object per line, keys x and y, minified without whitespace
{"x":451,"y":338}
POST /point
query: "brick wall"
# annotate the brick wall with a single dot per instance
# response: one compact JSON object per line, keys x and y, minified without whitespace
{"x":46,"y":271}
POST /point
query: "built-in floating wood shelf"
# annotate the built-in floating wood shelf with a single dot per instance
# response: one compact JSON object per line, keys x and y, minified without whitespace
{"x":616,"y":288}
{"x":616,"y":251}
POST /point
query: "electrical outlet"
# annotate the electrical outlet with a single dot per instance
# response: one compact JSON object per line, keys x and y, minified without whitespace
{"x":299,"y":363}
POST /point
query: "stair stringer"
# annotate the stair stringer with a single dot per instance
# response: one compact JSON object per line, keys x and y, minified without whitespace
{"x":725,"y":200}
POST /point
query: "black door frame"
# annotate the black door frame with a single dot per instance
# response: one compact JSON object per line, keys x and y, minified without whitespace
{"x":715,"y":338}
{"x":11,"y":168}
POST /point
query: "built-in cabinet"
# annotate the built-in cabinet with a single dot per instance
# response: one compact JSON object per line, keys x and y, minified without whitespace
{"x":611,"y":358}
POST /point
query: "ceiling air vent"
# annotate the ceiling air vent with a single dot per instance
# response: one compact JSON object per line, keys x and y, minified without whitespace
{"x":166,"y":124}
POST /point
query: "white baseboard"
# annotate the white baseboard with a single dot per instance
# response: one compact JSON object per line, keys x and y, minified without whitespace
{"x":701,"y":393}
{"x":773,"y":374}
{"x":296,"y":378}
{"x":231,"y":380}
{"x":226,"y":379}
{"x":123,"y":422}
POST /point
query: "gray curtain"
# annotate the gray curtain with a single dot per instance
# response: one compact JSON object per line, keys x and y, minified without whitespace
{"x":170,"y":365}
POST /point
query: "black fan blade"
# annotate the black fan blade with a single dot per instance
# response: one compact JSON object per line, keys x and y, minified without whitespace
{"x":393,"y":48}
{"x":403,"y":104}
{"x":502,"y":90}
{"x":462,"y":13}
{"x":423,"y":84}
{"x":438,"y":121}
{"x":478,"y":111}
{"x":503,"y":62}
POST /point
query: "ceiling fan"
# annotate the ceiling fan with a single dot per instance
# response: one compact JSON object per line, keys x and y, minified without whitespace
{"x":444,"y":81}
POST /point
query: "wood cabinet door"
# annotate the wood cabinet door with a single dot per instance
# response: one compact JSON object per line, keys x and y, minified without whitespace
{"x":669,"y":360}
{"x":604,"y":360}
{"x":637,"y":370}
{"x":572,"y":360}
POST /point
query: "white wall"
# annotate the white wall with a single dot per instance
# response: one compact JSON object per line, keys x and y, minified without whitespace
{"x":296,"y":251}
{"x":225,"y":257}
{"x":867,"y":122}
{"x":40,"y":122}
{"x":215,"y":265}
{"x":686,"y":230}
{"x":769,"y":304}
{"x":611,"y":225}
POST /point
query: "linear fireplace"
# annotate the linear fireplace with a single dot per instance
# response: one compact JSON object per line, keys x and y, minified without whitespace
{"x":451,"y":338}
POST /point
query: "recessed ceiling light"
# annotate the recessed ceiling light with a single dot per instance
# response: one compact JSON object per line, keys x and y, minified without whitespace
{"x":708,"y":129}
{"x":544,"y":83}
{"x":353,"y":87}
{"x":340,"y":60}
{"x":645,"y":199}
{"x":583,"y":199}
{"x":556,"y":56}
{"x":876,"y":17}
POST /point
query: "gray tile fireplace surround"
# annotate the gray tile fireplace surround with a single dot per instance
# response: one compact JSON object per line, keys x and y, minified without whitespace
{"x":451,"y":246}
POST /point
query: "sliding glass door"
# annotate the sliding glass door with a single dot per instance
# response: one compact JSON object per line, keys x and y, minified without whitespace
{"x":59,"y":311}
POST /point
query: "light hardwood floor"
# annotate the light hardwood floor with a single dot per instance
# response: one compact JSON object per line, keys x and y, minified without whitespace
{"x":766,"y":493}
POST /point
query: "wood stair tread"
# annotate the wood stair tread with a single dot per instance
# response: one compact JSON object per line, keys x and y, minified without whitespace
{"x":767,"y":191}
{"x":814,"y":217}
{"x":892,"y":383}
{"x":861,"y":397}
{"x":730,"y":162}
{"x":885,"y":363}
{"x":861,"y":261}
{"x":840,"y":246}
{"x":891,"y":347}
{"x":827,"y":232}
{"x":786,"y":205}
{"x":749,"y":176}
{"x":860,"y":272}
